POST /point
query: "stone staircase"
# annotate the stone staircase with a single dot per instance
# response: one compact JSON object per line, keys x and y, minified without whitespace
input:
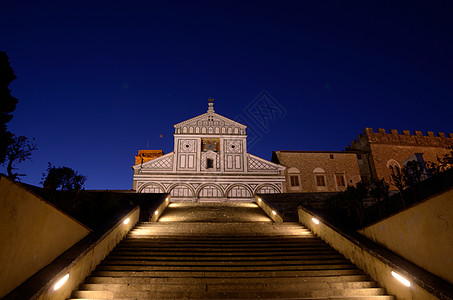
{"x":225,"y":260}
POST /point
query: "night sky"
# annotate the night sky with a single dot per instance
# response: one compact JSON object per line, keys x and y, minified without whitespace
{"x":99,"y":80}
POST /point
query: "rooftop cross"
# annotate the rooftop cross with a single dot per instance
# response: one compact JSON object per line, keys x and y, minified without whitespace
{"x":211,"y":105}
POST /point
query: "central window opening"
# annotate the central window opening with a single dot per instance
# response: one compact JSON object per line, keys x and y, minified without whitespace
{"x":209,"y":163}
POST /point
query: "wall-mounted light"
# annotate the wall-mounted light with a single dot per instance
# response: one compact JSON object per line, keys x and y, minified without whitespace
{"x":259,"y":199}
{"x":274,"y":213}
{"x":61,"y":282}
{"x":316,"y":221}
{"x":126,"y":221}
{"x":401,"y":279}
{"x":166,"y":199}
{"x":156,"y":212}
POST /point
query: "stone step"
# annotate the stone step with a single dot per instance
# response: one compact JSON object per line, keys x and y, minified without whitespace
{"x":226,"y":287}
{"x":228,"y":294}
{"x":220,"y":257}
{"x":226,"y":268}
{"x":226,"y":280}
{"x":250,"y":262}
{"x":225,"y":260}
{"x":204,"y":252}
{"x":217,"y":274}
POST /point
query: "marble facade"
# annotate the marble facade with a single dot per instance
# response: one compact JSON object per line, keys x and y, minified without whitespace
{"x":210,"y":162}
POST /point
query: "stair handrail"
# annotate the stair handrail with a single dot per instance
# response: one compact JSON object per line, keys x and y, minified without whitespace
{"x":269,"y":208}
{"x":377,"y":261}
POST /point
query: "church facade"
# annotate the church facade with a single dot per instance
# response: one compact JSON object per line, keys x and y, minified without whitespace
{"x":210,"y":162}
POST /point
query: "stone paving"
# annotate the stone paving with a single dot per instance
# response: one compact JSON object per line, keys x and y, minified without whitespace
{"x":213,"y":212}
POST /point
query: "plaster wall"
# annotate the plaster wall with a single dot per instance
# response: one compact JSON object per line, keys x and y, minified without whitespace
{"x":33,"y":234}
{"x":422,"y":234}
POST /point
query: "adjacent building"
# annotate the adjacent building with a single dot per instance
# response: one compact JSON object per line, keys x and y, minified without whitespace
{"x":379,"y":152}
{"x":318,"y":171}
{"x":210,"y":162}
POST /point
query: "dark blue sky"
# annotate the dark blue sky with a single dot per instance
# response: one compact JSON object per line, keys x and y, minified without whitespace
{"x":99,"y":80}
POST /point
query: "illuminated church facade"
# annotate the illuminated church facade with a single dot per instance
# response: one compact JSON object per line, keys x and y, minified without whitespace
{"x":209,"y":163}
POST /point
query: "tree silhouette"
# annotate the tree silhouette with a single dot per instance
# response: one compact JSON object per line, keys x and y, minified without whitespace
{"x":379,"y":190}
{"x":18,"y":151}
{"x":63,"y":179}
{"x":398,"y":179}
{"x":7,"y":104}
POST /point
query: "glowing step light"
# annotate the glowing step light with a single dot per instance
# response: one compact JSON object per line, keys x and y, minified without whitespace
{"x":274,"y":213}
{"x":61,"y":282}
{"x":156,"y":212}
{"x":316,"y":221}
{"x":126,"y":221}
{"x":401,"y":279}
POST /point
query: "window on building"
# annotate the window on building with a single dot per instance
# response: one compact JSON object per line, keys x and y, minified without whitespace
{"x":340,"y":180}
{"x":320,"y":180}
{"x":209,"y":163}
{"x":294,"y":180}
{"x":331,"y":156}
{"x":359,"y":156}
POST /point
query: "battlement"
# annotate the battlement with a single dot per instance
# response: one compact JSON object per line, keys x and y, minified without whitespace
{"x":147,"y":155}
{"x":429,"y":139}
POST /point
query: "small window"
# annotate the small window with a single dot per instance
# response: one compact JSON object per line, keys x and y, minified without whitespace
{"x":209,"y":163}
{"x":359,"y":156}
{"x":331,"y":156}
{"x":340,"y":180}
{"x":320,"y":181}
{"x":294,"y":180}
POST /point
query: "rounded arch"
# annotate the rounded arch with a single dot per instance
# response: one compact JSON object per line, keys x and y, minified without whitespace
{"x":234,"y":191}
{"x":319,"y":170}
{"x":393,"y":163}
{"x":152,"y":187}
{"x":208,"y":190}
{"x":191,"y":129}
{"x":186,"y":190}
{"x":267,"y":188}
{"x":293,"y":170}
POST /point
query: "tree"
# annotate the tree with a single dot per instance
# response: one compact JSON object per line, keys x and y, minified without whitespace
{"x":398,"y":179}
{"x":379,"y":190}
{"x":7,"y":104}
{"x":63,"y":179}
{"x":18,"y":151}
{"x":413,"y":172}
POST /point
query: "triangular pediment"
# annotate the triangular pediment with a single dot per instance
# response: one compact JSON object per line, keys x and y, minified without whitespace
{"x":213,"y":124}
